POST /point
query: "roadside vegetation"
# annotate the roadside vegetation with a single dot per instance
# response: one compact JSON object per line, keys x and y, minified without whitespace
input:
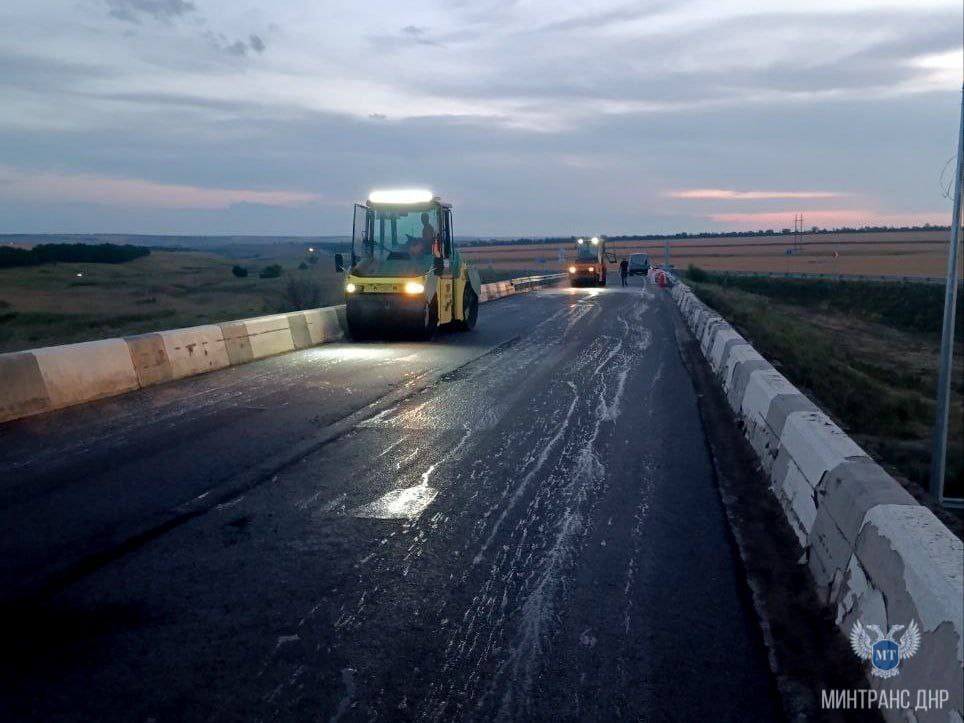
{"x":71,"y":253}
{"x":119,"y":291}
{"x":866,"y":352}
{"x":69,"y":301}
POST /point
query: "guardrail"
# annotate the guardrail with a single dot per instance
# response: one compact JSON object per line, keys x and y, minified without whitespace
{"x":875,"y":554}
{"x":42,"y":380}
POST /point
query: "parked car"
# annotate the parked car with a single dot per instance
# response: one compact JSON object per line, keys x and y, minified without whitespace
{"x":638,"y":264}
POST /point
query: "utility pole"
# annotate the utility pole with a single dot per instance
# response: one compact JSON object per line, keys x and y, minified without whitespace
{"x":666,"y":253}
{"x":939,"y":454}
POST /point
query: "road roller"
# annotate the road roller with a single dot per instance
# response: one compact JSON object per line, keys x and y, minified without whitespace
{"x":590,"y":265}
{"x":405,"y":276}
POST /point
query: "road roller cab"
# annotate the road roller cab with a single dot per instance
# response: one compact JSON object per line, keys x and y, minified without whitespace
{"x":405,"y":274}
{"x":590,"y":265}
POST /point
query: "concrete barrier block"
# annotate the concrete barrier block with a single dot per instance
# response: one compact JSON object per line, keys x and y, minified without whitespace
{"x":845,"y":495}
{"x":257,"y":338}
{"x":700,"y":314}
{"x":705,"y":317}
{"x":742,"y":370}
{"x":298,"y":325}
{"x":713,"y":327}
{"x":724,"y":368}
{"x":908,"y":566}
{"x":76,"y":373}
{"x":783,"y":405}
{"x":764,"y":385}
{"x":692,"y":309}
{"x":795,"y":495}
{"x":737,"y":355}
{"x":725,"y":339}
{"x":150,"y":359}
{"x":195,"y":350}
{"x":816,"y":444}
{"x":22,"y":388}
{"x":236,"y":341}
{"x":323,"y":324}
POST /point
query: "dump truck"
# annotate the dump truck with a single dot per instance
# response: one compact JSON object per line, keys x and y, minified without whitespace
{"x":590,"y":265}
{"x":405,"y":274}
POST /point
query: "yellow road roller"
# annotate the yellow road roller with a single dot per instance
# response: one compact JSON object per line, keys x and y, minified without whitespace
{"x":405,"y":275}
{"x":590,"y":266}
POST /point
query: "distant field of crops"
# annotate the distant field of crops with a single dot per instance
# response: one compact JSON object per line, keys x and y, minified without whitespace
{"x":898,"y":253}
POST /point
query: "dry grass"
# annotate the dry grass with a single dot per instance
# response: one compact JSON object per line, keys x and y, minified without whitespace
{"x":879,"y":381}
{"x":51,"y":304}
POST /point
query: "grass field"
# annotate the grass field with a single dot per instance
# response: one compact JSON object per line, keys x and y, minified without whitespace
{"x":899,"y":253}
{"x":51,"y":304}
{"x":63,"y":303}
{"x":866,"y":352}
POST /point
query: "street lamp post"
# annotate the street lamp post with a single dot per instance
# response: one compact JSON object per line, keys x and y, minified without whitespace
{"x":939,"y":455}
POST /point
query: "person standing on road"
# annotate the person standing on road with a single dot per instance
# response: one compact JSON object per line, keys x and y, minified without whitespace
{"x":624,"y":270}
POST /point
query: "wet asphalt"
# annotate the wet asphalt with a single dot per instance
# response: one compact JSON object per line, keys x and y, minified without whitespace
{"x":521,"y":522}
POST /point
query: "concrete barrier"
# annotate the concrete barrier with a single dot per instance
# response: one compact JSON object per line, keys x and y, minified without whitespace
{"x":50,"y":378}
{"x":166,"y":355}
{"x":875,"y":554}
{"x":323,"y":325}
{"x":22,"y":388}
{"x":499,"y":289}
{"x":150,"y":359}
{"x":41,"y":380}
{"x":80,"y":372}
{"x":257,"y":338}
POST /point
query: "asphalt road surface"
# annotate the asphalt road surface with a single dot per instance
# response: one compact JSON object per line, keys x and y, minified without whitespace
{"x":521,"y":522}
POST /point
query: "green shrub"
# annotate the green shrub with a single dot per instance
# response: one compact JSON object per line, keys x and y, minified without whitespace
{"x":909,"y":306}
{"x":271,"y":272}
{"x":300,"y":293}
{"x":695,"y":273}
{"x":239,"y":271}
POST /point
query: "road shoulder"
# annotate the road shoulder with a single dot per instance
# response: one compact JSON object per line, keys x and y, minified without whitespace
{"x":805,"y":650}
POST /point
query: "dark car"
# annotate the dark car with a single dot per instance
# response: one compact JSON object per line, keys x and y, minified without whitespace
{"x":638,"y":264}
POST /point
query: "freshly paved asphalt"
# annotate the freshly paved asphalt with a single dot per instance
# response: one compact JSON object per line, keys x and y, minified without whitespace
{"x":521,"y":522}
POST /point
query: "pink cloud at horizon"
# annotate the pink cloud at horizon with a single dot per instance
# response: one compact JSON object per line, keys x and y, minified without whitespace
{"x":853,"y":218}
{"x":723,"y":194}
{"x":135,"y":192}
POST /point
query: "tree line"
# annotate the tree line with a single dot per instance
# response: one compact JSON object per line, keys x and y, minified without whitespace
{"x":702,"y":234}
{"x":70,"y":253}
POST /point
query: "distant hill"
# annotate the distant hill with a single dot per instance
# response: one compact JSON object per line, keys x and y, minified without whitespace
{"x":228,"y":245}
{"x":199,"y":243}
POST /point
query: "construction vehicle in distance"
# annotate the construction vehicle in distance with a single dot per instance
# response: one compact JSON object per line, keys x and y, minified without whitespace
{"x":590,"y":265}
{"x":405,"y":274}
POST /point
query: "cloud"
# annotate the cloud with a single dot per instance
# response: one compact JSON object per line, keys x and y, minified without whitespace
{"x":237,"y":47}
{"x":410,"y":35}
{"x":504,"y":106}
{"x":606,"y":18}
{"x":727,"y":195}
{"x":163,"y":10}
{"x":17,"y":185}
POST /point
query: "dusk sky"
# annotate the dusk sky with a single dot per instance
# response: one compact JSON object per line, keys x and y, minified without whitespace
{"x":532,"y":117}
